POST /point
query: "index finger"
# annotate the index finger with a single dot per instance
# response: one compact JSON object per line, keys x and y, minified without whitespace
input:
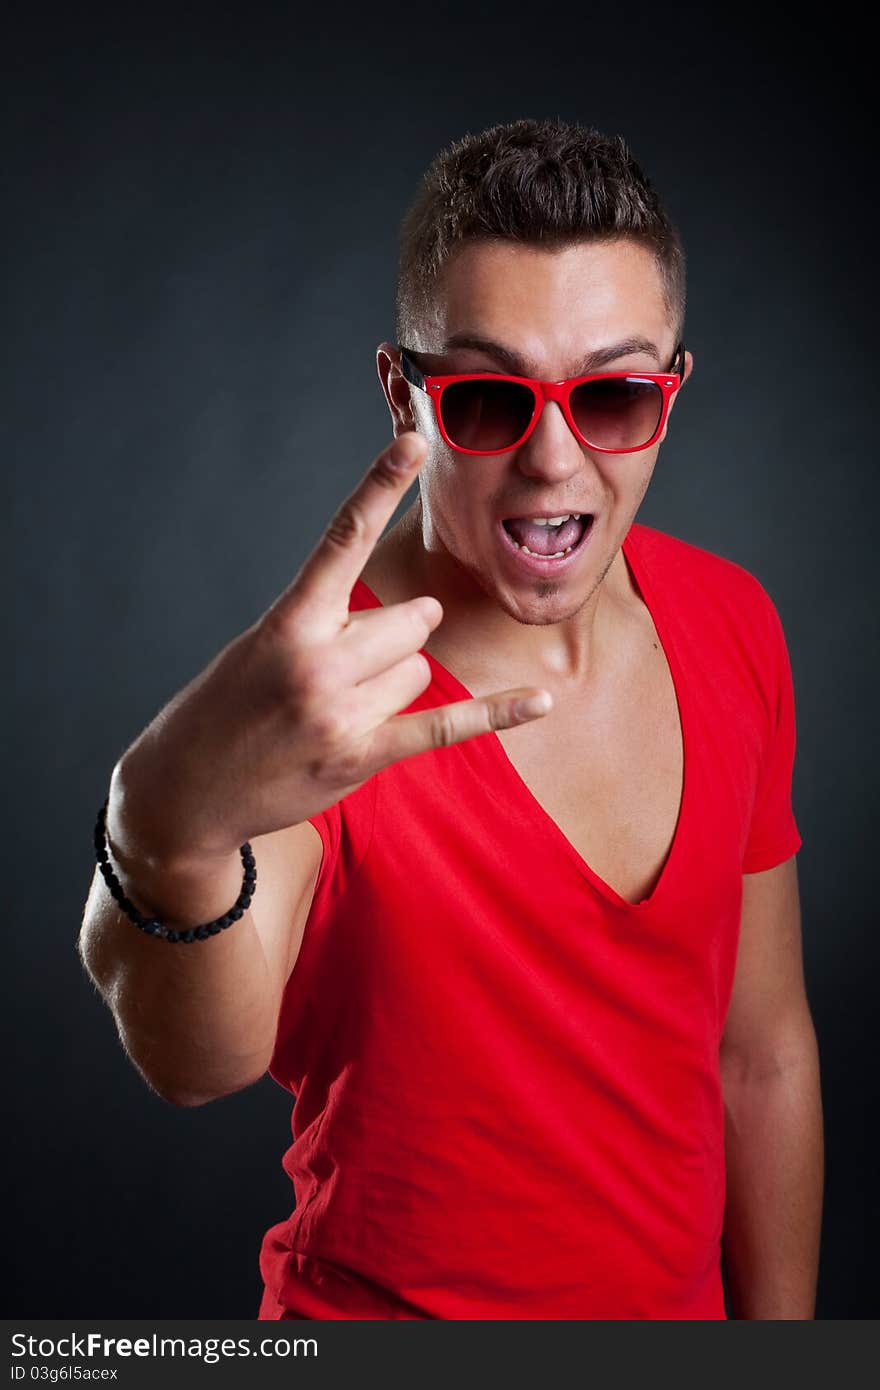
{"x":328,"y":575}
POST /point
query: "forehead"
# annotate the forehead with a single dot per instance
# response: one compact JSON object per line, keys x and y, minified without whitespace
{"x":549,"y":304}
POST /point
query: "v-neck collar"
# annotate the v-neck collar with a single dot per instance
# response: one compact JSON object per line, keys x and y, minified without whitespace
{"x":517,"y":792}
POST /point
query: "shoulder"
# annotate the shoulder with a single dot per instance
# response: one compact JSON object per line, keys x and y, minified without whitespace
{"x":701,"y":580}
{"x":721,"y":610}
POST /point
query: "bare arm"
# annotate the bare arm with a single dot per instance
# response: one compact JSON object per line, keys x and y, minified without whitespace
{"x":199,"y":1021}
{"x":773,"y":1111}
{"x":294,"y":714}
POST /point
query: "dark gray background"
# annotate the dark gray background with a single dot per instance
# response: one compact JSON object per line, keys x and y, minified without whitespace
{"x":201,"y":243}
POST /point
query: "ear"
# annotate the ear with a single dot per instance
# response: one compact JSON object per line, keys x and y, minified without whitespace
{"x":396,"y":388}
{"x":688,"y":368}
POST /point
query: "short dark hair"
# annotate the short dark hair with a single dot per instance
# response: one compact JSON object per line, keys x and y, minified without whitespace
{"x":547,"y":183}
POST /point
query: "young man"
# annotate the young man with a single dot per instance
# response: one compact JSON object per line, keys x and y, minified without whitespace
{"x":532,"y":971}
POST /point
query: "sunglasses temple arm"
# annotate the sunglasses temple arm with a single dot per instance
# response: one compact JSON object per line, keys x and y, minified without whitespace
{"x":410,"y":371}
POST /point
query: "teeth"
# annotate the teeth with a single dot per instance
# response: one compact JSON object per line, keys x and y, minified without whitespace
{"x":546,"y":521}
{"x":557,"y":554}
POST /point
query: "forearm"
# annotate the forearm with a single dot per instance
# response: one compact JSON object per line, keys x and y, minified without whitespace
{"x":775,"y":1177}
{"x":195,"y":1019}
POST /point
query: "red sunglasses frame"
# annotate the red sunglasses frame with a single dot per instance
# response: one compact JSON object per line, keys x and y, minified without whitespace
{"x":543,"y":391}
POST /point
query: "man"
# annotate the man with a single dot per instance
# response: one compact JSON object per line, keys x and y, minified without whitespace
{"x":517,"y":780}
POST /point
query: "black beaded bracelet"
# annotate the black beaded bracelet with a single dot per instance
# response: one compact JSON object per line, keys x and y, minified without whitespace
{"x":152,"y":925}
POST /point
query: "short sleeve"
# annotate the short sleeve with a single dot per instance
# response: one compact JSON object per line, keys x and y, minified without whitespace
{"x":328,"y":825}
{"x":345,"y":827}
{"x":346,"y":830}
{"x":773,"y":833}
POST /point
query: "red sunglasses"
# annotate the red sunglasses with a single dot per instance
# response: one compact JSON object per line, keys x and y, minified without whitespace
{"x":489,"y":413}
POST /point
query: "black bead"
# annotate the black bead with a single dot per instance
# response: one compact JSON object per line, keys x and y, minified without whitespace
{"x":151,"y":925}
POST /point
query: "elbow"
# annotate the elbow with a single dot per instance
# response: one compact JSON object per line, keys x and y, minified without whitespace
{"x":783,"y":1053}
{"x":183,"y":1099}
{"x":170,"y":1088}
{"x":181,"y":1055}
{"x":188,"y":1094}
{"x":180,"y":1099}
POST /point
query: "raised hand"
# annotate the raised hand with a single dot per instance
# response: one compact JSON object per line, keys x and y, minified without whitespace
{"x":303,"y":707}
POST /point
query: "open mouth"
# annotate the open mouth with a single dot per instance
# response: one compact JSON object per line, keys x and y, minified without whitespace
{"x":548,"y":538}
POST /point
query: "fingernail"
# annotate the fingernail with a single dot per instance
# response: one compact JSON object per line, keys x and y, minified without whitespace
{"x":532,"y":705}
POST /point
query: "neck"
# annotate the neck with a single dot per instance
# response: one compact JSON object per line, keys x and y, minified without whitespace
{"x":492,"y":628}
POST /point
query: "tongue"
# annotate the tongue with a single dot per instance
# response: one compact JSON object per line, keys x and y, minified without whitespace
{"x":545,"y":540}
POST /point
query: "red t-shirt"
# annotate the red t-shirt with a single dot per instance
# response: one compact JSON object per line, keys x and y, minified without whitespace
{"x":508,"y":1099}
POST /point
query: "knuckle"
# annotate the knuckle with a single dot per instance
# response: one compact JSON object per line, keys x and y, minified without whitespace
{"x":420,"y":668}
{"x":283,"y":634}
{"x":307,"y":694}
{"x":302,"y":672}
{"x":273,"y":629}
{"x":322,"y":673}
{"x":295,"y":703}
{"x":384,"y":473}
{"x":348,"y":527}
{"x":443,"y":729}
{"x":350,"y":767}
{"x":498,"y":715}
{"x":329,"y":726}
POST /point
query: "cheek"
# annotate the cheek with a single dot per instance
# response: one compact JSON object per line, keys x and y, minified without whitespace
{"x":460,"y":495}
{"x":460,"y":487}
{"x":451,"y":491}
{"x":425,"y":419}
{"x":439,"y":476}
{"x":642,"y":476}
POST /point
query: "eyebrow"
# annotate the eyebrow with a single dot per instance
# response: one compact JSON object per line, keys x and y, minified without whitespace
{"x":519,"y":367}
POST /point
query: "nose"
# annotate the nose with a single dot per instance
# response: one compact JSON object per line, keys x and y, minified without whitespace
{"x":552,"y":452}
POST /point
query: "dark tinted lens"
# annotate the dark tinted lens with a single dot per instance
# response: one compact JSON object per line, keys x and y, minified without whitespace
{"x":617,"y":413}
{"x":486,"y":414}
